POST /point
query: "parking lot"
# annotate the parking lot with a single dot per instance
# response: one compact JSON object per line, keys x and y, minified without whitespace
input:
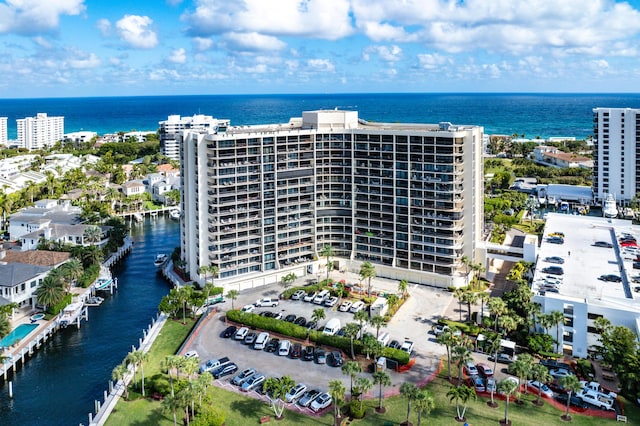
{"x":413,"y":322}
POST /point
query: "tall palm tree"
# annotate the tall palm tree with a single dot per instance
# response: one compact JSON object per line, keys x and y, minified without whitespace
{"x":184,"y":296}
{"x":5,"y":325}
{"x":483,"y":296}
{"x":71,"y":271}
{"x":233,"y":295}
{"x":403,"y":286}
{"x":318,"y":314}
{"x":409,"y":391}
{"x":378,"y":322}
{"x":424,"y":404}
{"x":327,"y":252}
{"x":119,"y":373}
{"x":458,"y":293}
{"x":556,"y":318}
{"x":337,"y":392}
{"x":448,"y":339}
{"x":361,"y":317}
{"x":92,"y":235}
{"x":351,"y":369}
{"x":382,"y":379}
{"x":507,"y":387}
{"x":493,"y":348}
{"x":521,"y":368}
{"x":497,"y":307}
{"x":469,"y":297}
{"x":169,"y":364}
{"x":137,"y":358}
{"x":276,"y":389}
{"x":461,"y":394}
{"x":572,"y":385}
{"x":540,"y":373}
{"x":172,"y":404}
{"x":288,"y":279}
{"x":367,"y":271}
{"x":50,"y":291}
{"x":363,"y":385}
{"x":351,"y":330}
{"x":508,"y":323}
{"x":461,"y":355}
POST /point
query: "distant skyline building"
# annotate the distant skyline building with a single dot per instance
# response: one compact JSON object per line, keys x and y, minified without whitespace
{"x":40,"y":131}
{"x":263,"y":201}
{"x":4,"y":138}
{"x":616,"y":153}
{"x":174,"y":124}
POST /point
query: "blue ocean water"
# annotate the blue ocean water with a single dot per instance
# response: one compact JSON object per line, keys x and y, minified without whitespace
{"x":533,"y":115}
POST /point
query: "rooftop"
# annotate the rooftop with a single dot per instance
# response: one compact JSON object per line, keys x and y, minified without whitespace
{"x":36,"y":257}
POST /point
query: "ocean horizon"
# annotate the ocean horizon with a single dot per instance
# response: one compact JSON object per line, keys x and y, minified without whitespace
{"x":530,"y":114}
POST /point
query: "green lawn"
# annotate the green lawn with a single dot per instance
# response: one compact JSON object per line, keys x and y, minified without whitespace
{"x":242,"y":411}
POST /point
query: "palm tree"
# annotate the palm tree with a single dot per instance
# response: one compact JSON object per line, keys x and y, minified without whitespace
{"x":202,"y":384}
{"x":498,"y":307}
{"x":203,"y":270}
{"x":403,"y":285}
{"x":92,"y":235}
{"x":362,"y":317}
{"x":466,"y":261}
{"x":50,"y":291}
{"x":572,"y":385}
{"x":540,"y":373}
{"x":71,"y":271}
{"x":119,"y":373}
{"x":363,"y":385}
{"x":461,"y":356}
{"x":137,"y":358}
{"x":508,"y":323}
{"x":521,"y":368}
{"x":448,"y":339}
{"x":233,"y":295}
{"x":169,"y":364}
{"x":461,"y":393}
{"x":378,"y":322}
{"x":184,"y":295}
{"x":494,"y":347}
{"x":424,"y":404}
{"x":5,"y":325}
{"x":458,"y":293}
{"x":351,"y":369}
{"x":337,"y":392}
{"x":327,"y":252}
{"x":507,"y":387}
{"x":277,"y":390}
{"x":556,"y":318}
{"x":318,"y":314}
{"x":409,"y":391}
{"x":190,"y":367}
{"x":483,"y":296}
{"x":172,"y":404}
{"x":288,"y":279}
{"x":351,"y":330}
{"x":469,"y":297}
{"x":382,"y":379}
{"x":367,"y":271}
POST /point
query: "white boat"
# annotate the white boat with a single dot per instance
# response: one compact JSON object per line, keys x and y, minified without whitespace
{"x":609,"y":208}
{"x":160,"y":259}
{"x":94,"y":301}
{"x":138,"y":217}
{"x":175,"y":214}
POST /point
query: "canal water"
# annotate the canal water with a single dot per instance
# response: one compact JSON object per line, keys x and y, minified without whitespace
{"x":59,"y":385}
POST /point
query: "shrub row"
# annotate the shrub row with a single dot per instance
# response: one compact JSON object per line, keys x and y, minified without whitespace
{"x":89,"y":275}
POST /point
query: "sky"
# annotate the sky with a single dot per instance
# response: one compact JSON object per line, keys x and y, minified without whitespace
{"x":78,"y":48}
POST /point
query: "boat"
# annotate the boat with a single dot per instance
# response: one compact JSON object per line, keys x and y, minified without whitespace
{"x":174,"y":214}
{"x":161,"y":259}
{"x":94,"y":301}
{"x":103,"y":283}
{"x":138,"y":217}
{"x":609,"y":208}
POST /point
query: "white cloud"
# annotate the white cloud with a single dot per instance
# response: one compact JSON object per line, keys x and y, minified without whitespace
{"x":253,"y":42}
{"x":432,"y":61}
{"x":386,"y":53}
{"x":323,"y":19}
{"x":178,"y":56}
{"x":135,"y":31}
{"x":36,"y":16}
{"x":104,"y":26}
{"x":202,"y":43}
{"x":163,"y":74}
{"x":321,"y":65}
{"x":87,"y":61}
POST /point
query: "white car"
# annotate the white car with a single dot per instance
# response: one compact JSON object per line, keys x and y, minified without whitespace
{"x":191,"y":354}
{"x":356,"y":307}
{"x":330,"y":302}
{"x":321,"y":402}
{"x":407,"y":346}
{"x":344,"y":306}
{"x":296,"y":392}
{"x":248,"y":308}
{"x":560,"y":372}
{"x":298,"y":295}
{"x":241,"y":333}
{"x":309,"y":297}
{"x":438,"y":329}
{"x":266,"y":302}
{"x":540,"y":387}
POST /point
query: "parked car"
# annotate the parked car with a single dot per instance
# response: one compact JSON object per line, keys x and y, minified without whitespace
{"x":502,"y":358}
{"x":438,"y":329}
{"x":308,"y":397}
{"x":298,"y":295}
{"x":407,"y":346}
{"x":335,"y":359}
{"x":575,"y":401}
{"x":290,"y":318}
{"x":248,"y":308}
{"x":266,"y":302}
{"x":311,"y":325}
{"x":356,"y":307}
{"x":470,"y":369}
{"x":330,"y":302}
{"x":394,"y":344}
{"x":310,"y":296}
{"x":555,"y":240}
{"x":296,"y":351}
{"x":540,"y":387}
{"x":484,"y":370}
{"x":554,"y":259}
{"x":491,"y":385}
{"x":301,"y":321}
{"x":229,"y":331}
{"x":296,"y":392}
{"x":478,"y":385}
{"x":602,"y":244}
{"x":224,"y":370}
{"x":345,"y":305}
{"x":277,"y":315}
{"x":253,"y":382}
{"x":320,"y":356}
{"x":610,"y":278}
{"x":308,"y":353}
{"x":241,"y":333}
{"x":251,"y":338}
{"x":212,"y":364}
{"x":321,"y":402}
{"x":191,"y":354}
{"x":243,"y":376}
{"x":273,"y":344}
{"x":554,"y":270}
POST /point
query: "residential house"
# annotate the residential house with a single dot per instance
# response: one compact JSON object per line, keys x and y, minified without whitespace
{"x":133,"y":187}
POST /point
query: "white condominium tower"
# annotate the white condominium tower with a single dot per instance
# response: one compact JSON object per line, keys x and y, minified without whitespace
{"x":4,"y":139}
{"x":40,"y":131}
{"x":174,"y":124}
{"x":262,"y":201}
{"x":616,"y":153}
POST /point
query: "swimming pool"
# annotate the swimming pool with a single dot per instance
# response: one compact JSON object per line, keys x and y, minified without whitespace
{"x":18,"y":333}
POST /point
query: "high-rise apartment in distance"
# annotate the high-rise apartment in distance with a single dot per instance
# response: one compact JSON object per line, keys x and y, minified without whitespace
{"x":616,"y":153}
{"x":174,"y":124}
{"x":262,"y":201}
{"x":4,"y":138}
{"x":40,"y":131}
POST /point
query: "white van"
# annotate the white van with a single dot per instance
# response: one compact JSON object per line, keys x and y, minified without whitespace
{"x":261,"y":341}
{"x":383,"y":338}
{"x":321,"y":297}
{"x":284,"y":348}
{"x":332,"y":327}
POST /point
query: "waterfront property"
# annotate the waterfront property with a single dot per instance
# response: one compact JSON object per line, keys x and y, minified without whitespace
{"x":262,"y":201}
{"x":16,"y":335}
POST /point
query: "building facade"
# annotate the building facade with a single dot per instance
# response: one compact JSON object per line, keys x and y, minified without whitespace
{"x":4,"y":131}
{"x":263,"y":201}
{"x":174,"y":124}
{"x":616,"y":153}
{"x":40,"y":131}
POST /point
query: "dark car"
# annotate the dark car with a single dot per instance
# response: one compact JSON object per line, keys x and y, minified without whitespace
{"x":267,"y":314}
{"x":574,"y":401}
{"x":554,"y":259}
{"x":290,"y":318}
{"x":224,"y":370}
{"x":394,"y":344}
{"x":301,"y":321}
{"x":251,"y":338}
{"x":307,"y":354}
{"x":340,"y":332}
{"x":335,"y":359}
{"x":311,"y":325}
{"x":320,"y":356}
{"x":612,"y":278}
{"x":553,"y":270}
{"x":555,"y":240}
{"x":602,"y":244}
{"x":296,"y":351}
{"x":272,"y":346}
{"x":229,"y":331}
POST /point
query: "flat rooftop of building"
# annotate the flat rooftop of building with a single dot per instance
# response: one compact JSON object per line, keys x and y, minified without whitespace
{"x":585,"y":262}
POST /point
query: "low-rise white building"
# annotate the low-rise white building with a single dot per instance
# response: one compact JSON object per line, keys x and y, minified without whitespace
{"x":42,"y":215}
{"x":579,"y":293}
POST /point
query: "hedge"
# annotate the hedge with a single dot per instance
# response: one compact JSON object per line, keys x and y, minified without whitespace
{"x":89,"y":275}
{"x":55,"y":309}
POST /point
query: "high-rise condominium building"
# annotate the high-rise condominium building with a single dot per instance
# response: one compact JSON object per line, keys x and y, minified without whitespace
{"x":263,"y":201}
{"x":40,"y":131}
{"x":4,"y":138}
{"x":174,"y":124}
{"x":616,"y":153}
